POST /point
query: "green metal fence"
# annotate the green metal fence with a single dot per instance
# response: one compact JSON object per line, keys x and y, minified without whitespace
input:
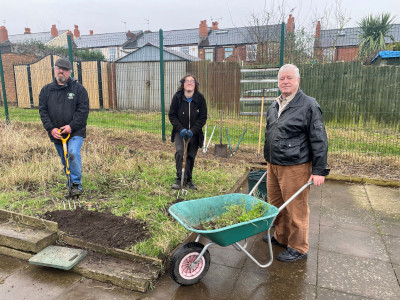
{"x":360,"y":103}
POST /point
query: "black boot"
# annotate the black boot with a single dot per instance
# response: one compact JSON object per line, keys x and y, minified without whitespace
{"x":177,"y":184}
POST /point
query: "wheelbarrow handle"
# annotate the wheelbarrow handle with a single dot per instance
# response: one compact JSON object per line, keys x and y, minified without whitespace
{"x":295,"y":195}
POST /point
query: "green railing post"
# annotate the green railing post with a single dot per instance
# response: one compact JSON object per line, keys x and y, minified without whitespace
{"x":282,"y":44}
{"x":3,"y":86}
{"x":71,"y":59}
{"x":162,"y":84}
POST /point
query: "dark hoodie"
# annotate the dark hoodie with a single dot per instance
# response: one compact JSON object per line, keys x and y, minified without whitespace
{"x":61,"y":105}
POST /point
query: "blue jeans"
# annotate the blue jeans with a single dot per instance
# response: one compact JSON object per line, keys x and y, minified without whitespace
{"x":74,"y":146}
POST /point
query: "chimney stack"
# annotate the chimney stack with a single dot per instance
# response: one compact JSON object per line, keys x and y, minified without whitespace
{"x":27,"y":30}
{"x":214,"y":26}
{"x":90,"y":32}
{"x":77,"y":33}
{"x":290,"y":24}
{"x":318,"y":30}
{"x":203,"y":29}
{"x":130,"y":35}
{"x":54,"y":31}
{"x":3,"y":34}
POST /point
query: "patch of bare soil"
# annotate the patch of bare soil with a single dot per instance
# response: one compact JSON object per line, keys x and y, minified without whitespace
{"x":102,"y":228}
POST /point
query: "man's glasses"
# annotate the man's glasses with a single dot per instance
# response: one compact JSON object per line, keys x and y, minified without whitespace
{"x":189,"y":81}
{"x":61,"y":68}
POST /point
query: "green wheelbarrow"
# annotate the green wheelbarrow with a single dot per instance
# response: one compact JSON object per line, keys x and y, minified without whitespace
{"x":190,"y":263}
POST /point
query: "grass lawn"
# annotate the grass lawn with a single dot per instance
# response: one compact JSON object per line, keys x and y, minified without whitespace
{"x":126,"y":172}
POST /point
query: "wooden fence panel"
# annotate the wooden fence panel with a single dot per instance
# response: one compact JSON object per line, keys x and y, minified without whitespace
{"x":41,"y":74}
{"x":22,"y":86}
{"x":30,"y":79}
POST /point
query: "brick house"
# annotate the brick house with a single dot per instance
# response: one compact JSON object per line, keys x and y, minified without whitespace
{"x":10,"y":59}
{"x":248,"y":44}
{"x":334,"y":45}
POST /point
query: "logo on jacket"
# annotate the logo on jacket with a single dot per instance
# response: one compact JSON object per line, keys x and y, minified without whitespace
{"x":71,"y":96}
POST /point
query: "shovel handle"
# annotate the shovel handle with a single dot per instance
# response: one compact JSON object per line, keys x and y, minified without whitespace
{"x":185,"y":146}
{"x":65,"y":148}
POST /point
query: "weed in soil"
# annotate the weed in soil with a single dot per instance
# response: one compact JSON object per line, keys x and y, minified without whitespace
{"x":101,"y":228}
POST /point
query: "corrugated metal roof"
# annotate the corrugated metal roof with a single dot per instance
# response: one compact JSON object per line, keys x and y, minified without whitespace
{"x":387,"y":54}
{"x":350,"y":36}
{"x":171,"y":38}
{"x":243,"y":35}
{"x":42,"y":37}
{"x":102,"y":40}
{"x":152,"y":53}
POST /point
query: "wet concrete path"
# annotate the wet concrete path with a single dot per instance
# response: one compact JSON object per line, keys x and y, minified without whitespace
{"x":354,"y":254}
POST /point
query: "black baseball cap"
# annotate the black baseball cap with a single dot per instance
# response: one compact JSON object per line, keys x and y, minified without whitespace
{"x":63,"y":63}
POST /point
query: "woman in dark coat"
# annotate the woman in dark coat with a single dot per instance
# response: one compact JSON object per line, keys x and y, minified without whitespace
{"x":188,"y":115}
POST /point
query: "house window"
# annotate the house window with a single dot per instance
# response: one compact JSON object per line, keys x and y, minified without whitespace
{"x":112,"y":54}
{"x":228,"y":52}
{"x":185,"y":49}
{"x":209,"y":54}
{"x":251,"y":52}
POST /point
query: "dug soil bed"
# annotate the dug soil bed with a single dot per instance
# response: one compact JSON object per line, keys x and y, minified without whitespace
{"x":102,"y":228}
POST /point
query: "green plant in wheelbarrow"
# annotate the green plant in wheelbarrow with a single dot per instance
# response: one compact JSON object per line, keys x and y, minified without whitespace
{"x":235,"y":213}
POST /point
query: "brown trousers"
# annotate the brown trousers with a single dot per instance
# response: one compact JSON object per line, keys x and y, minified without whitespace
{"x":292,"y":223}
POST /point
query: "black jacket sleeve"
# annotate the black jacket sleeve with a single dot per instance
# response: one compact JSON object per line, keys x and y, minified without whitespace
{"x":202,"y":118}
{"x":173,"y":114}
{"x":81,"y":113}
{"x":318,"y":142}
{"x":43,"y":109}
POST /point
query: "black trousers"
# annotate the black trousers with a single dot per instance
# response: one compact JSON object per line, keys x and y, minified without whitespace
{"x":190,"y":157}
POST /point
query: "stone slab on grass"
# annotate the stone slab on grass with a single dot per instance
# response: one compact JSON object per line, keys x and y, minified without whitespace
{"x":137,"y":276}
{"x":24,"y":237}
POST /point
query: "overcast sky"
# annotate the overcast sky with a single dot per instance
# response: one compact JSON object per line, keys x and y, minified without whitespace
{"x":118,"y":16}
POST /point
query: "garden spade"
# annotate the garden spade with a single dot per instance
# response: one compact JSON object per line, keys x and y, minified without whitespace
{"x":68,"y":172}
{"x":221,"y":150}
{"x":183,"y":191}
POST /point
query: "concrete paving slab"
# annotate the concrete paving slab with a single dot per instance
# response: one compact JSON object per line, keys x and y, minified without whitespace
{"x":396,"y":269}
{"x":393,"y":247}
{"x":24,"y":237}
{"x":388,"y":225}
{"x":315,"y":213}
{"x":347,"y":206}
{"x":256,"y":286}
{"x":37,"y":283}
{"x":352,"y":242}
{"x":89,"y":289}
{"x":357,"y":275}
{"x":315,"y":195}
{"x":328,"y":294}
{"x":217,"y":284}
{"x":8,"y":265}
{"x":385,"y":202}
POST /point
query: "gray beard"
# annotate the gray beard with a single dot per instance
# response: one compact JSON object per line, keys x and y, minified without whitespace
{"x":61,"y":79}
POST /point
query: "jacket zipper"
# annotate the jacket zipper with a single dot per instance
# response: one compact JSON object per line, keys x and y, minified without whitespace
{"x":273,"y":135}
{"x":189,"y":114}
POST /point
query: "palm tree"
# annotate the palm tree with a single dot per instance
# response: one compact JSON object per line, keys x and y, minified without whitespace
{"x":373,"y":33}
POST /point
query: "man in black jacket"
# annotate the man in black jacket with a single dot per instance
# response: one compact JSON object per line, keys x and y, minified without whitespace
{"x":296,"y":149}
{"x":188,"y":115}
{"x":64,"y":109}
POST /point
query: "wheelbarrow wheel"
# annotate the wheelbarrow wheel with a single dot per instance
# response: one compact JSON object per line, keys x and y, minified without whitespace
{"x":179,"y":266}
